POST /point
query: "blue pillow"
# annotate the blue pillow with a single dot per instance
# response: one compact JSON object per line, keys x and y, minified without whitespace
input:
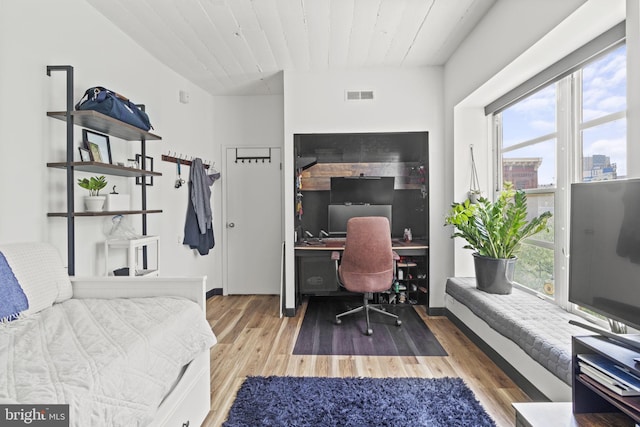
{"x":13,"y":301}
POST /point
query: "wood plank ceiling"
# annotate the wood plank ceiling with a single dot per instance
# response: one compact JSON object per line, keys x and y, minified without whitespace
{"x":240,"y":47}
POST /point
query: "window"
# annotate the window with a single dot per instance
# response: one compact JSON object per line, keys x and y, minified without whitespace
{"x":528,"y":134}
{"x":603,"y":122}
{"x":573,"y":129}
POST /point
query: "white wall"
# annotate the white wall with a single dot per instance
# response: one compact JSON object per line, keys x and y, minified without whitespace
{"x":508,"y":29}
{"x":248,"y":121}
{"x":405,"y":100}
{"x":34,"y":34}
{"x":515,"y":40}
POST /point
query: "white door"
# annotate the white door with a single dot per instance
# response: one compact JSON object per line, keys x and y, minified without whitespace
{"x":253,"y":220}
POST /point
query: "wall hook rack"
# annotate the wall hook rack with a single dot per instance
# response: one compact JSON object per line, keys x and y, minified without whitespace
{"x":185,"y":160}
{"x":250,"y":158}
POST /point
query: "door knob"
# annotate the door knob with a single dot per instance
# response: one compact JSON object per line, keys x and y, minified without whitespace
{"x":231,"y":225}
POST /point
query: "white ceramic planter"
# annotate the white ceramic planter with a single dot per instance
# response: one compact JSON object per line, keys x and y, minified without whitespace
{"x":94,"y":203}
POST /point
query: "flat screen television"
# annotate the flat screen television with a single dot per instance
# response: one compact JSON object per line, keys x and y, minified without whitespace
{"x":374,"y":190}
{"x":604,"y":261}
{"x":340,"y":214}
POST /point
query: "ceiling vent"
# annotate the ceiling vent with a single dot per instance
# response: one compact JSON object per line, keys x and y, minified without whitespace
{"x":359,"y":95}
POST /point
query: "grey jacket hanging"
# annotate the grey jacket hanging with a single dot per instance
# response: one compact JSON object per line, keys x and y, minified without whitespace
{"x":198,"y":227}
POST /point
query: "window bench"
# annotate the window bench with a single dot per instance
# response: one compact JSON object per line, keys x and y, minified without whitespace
{"x":529,"y":334}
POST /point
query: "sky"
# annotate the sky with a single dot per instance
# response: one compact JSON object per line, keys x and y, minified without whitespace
{"x":604,"y":92}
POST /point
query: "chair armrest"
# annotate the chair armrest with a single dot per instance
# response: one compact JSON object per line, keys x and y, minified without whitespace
{"x":396,"y":258}
{"x":335,"y":257}
{"x":192,"y":288}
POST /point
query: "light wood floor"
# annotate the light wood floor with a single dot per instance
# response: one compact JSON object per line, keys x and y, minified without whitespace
{"x":254,"y":340}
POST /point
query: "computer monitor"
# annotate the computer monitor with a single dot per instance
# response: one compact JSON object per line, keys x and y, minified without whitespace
{"x":340,"y":214}
{"x":360,"y":190}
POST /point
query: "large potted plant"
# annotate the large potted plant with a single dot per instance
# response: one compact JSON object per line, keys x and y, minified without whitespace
{"x":94,"y":201}
{"x":495,"y":231}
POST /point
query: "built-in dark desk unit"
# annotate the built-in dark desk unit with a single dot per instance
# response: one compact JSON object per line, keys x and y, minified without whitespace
{"x":363,"y":174}
{"x":316,"y":275}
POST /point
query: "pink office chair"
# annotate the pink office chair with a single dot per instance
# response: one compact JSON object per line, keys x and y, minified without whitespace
{"x":368,"y":263}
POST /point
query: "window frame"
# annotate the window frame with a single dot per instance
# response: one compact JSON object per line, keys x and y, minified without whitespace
{"x":552,"y":191}
{"x":568,"y":169}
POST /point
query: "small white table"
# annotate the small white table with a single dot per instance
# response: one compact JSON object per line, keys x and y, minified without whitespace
{"x":132,"y":246}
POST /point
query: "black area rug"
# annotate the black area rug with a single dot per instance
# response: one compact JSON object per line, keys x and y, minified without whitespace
{"x":319,"y":335}
{"x":312,"y":401}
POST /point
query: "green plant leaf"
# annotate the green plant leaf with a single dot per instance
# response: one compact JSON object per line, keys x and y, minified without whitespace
{"x":93,"y":184}
{"x":496,"y":229}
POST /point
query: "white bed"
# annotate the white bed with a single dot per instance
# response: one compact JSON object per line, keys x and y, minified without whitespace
{"x":120,"y":351}
{"x":189,"y":401}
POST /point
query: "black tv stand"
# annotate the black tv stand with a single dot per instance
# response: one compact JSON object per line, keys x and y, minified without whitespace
{"x":629,"y":340}
{"x":591,"y":397}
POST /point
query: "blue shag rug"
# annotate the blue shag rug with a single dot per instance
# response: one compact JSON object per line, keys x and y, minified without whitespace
{"x":313,"y":401}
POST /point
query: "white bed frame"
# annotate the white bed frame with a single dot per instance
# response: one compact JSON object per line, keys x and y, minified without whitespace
{"x":190,"y":400}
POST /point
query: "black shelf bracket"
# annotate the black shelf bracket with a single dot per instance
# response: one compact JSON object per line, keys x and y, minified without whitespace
{"x":68,"y":69}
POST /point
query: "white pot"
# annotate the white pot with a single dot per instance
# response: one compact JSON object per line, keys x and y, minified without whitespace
{"x":94,"y":203}
{"x":474,"y":196}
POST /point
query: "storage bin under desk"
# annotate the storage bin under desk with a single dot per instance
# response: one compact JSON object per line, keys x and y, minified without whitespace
{"x":317,"y":273}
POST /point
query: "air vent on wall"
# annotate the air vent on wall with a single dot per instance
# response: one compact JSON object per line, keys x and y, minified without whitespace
{"x":359,"y":95}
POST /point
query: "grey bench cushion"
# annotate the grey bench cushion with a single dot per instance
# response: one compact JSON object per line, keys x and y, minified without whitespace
{"x":539,"y":327}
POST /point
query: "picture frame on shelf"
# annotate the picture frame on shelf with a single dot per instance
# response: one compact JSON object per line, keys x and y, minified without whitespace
{"x":98,"y":146}
{"x":148,"y":167}
{"x":85,"y":155}
{"x":94,"y":152}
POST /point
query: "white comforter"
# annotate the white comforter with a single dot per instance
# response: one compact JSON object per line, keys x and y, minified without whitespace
{"x":112,"y":360}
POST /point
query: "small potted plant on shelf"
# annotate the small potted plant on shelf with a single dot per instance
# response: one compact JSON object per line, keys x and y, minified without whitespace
{"x":94,"y":201}
{"x":495,"y":231}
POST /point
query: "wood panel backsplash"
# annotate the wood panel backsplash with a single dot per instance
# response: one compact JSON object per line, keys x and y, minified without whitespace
{"x":318,"y":177}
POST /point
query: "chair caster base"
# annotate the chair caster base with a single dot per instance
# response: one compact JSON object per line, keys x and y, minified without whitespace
{"x":338,"y":321}
{"x":398,"y":322}
{"x":369,"y":332}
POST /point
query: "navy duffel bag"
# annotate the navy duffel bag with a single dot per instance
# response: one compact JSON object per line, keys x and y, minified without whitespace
{"x":114,"y":105}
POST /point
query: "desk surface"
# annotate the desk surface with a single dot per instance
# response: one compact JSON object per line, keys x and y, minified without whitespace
{"x":337,"y":244}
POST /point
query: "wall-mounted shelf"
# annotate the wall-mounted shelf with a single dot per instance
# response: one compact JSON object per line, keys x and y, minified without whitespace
{"x":104,"y":213}
{"x":406,"y":174}
{"x":101,"y":123}
{"x":104,"y":168}
{"x":305,"y":162}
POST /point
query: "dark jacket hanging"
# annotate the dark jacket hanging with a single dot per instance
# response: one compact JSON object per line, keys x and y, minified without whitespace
{"x":198,"y":227}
